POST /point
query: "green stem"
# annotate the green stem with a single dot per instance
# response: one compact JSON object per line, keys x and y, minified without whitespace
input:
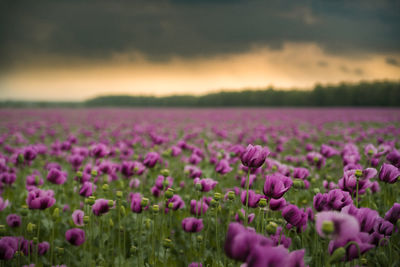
{"x":247,"y":197}
{"x":357,"y":193}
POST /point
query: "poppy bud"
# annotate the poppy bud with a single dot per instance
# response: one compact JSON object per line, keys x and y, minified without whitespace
{"x":199,"y":238}
{"x":198,"y":186}
{"x":155,"y":208}
{"x":358,"y":173}
{"x":122,"y":211}
{"x":298,"y":184}
{"x":217,"y":196}
{"x":35,"y":240}
{"x":56,"y":213}
{"x":213,"y":203}
{"x":169,"y":193}
{"x":164,"y":172}
{"x":316,"y":190}
{"x":262,"y":203}
{"x":94,"y":173}
{"x":231,"y":195}
{"x":337,"y":255}
{"x":271,"y":228}
{"x":60,"y":251}
{"x":91,"y":200}
{"x":30,"y":227}
{"x":79,"y":174}
{"x":105,"y":187}
{"x":119,"y":194}
{"x":144,"y":202}
{"x":111,"y":203}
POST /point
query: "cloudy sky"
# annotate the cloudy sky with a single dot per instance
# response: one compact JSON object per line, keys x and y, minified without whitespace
{"x":74,"y":50}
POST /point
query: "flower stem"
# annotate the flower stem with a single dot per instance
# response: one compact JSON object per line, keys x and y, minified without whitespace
{"x":247,"y":197}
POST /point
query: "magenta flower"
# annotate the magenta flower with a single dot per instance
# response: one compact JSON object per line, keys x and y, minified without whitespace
{"x":3,"y":204}
{"x":136,"y":202}
{"x":77,"y":217}
{"x":8,"y":247}
{"x":100,"y":207}
{"x":207,"y":184}
{"x":192,"y":225}
{"x":394,"y":158}
{"x":315,"y":159}
{"x":254,"y":156}
{"x":177,"y":203}
{"x":335,"y":199}
{"x":279,"y":238}
{"x":40,"y":199}
{"x":196,"y":208}
{"x":56,"y":176}
{"x":151,"y":159}
{"x":223,"y":167}
{"x":87,"y":189}
{"x":276,"y":185}
{"x":13,"y":220}
{"x":253,"y":198}
{"x":193,"y":171}
{"x":393,"y":214}
{"x":389,"y":173}
{"x":295,"y":217}
{"x":352,"y":250}
{"x":75,"y":236}
{"x":99,"y":151}
{"x":300,"y":173}
{"x":277,"y":204}
{"x":328,"y":151}
{"x":43,"y":247}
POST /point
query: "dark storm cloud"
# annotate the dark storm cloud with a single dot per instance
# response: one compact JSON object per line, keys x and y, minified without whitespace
{"x":95,"y":30}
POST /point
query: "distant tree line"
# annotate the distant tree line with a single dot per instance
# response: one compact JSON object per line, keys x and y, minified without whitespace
{"x":379,"y":93}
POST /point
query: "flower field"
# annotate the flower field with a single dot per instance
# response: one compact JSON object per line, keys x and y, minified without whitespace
{"x":199,"y":187}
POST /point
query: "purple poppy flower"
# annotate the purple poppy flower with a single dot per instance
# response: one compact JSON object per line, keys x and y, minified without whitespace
{"x":349,"y":182}
{"x":34,"y":179}
{"x":136,"y":202}
{"x":383,"y":226}
{"x":394,"y":158}
{"x":29,"y":153}
{"x":254,"y":156}
{"x":344,"y":225}
{"x":3,"y":204}
{"x":151,"y":159}
{"x":295,"y":216}
{"x":100,"y":207}
{"x":77,"y":217}
{"x":8,"y":247}
{"x":277,"y":204}
{"x":393,"y":214}
{"x":276,"y":185}
{"x":99,"y":151}
{"x":352,"y":250}
{"x":40,"y":199}
{"x":175,"y":151}
{"x":370,"y":150}
{"x":8,"y":178}
{"x":194,"y":159}
{"x":163,"y":183}
{"x":177,"y":203}
{"x":328,"y":151}
{"x":193,"y":171}
{"x":315,"y":159}
{"x":196,"y":208}
{"x":207,"y":184}
{"x":300,"y":173}
{"x":192,"y":225}
{"x":56,"y":176}
{"x":253,"y":198}
{"x":43,"y":248}
{"x":223,"y":167}
{"x":389,"y":173}
{"x":87,"y":189}
{"x":75,"y":236}
{"x":76,"y":161}
{"x":13,"y":220}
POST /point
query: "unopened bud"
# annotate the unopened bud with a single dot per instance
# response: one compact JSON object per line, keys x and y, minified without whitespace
{"x":316,"y":190}
{"x":213,"y":203}
{"x":337,"y":255}
{"x":169,"y":193}
{"x":79,"y":174}
{"x":155,"y":208}
{"x":119,"y":194}
{"x":231,"y":195}
{"x":123,"y":211}
{"x":298,"y":184}
{"x":271,"y":228}
{"x":91,"y":200}
{"x":111,"y":203}
{"x":20,"y":158}
{"x":170,"y":205}
{"x":262,"y":203}
{"x":199,"y":238}
{"x":217,"y":196}
{"x":144,"y":202}
{"x":164,"y":172}
{"x":94,"y":173}
{"x":56,"y":213}
{"x":241,"y":215}
{"x":105,"y":187}
{"x":30,"y":227}
{"x":358,"y":173}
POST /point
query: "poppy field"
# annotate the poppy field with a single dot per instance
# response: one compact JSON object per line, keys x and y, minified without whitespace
{"x":200,"y":187}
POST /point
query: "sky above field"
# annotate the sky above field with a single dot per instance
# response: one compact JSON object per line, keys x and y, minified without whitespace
{"x":74,"y":50}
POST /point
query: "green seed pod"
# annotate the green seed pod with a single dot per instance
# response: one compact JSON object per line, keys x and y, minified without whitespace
{"x":200,"y":238}
{"x":231,"y":195}
{"x":144,"y":202}
{"x":111,"y":203}
{"x":313,"y":180}
{"x":213,"y":203}
{"x":155,"y":209}
{"x":298,"y":184}
{"x":316,"y":190}
{"x":91,"y":200}
{"x":111,"y":223}
{"x":105,"y":187}
{"x":167,"y":243}
{"x":86,"y":219}
{"x":241,"y":215}
{"x":20,"y":158}
{"x":123,"y":211}
{"x":358,"y":173}
{"x":79,"y":174}
{"x":271,"y":228}
{"x":217,"y":196}
{"x":328,"y":227}
{"x":30,"y":228}
{"x":199,"y":187}
{"x":304,"y":201}
{"x":148,"y":223}
{"x":164,"y":172}
{"x":119,"y":194}
{"x":56,"y":213}
{"x":170,"y":205}
{"x":169,"y":193}
{"x":94,"y":173}
{"x":337,"y":255}
{"x":166,"y":153}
